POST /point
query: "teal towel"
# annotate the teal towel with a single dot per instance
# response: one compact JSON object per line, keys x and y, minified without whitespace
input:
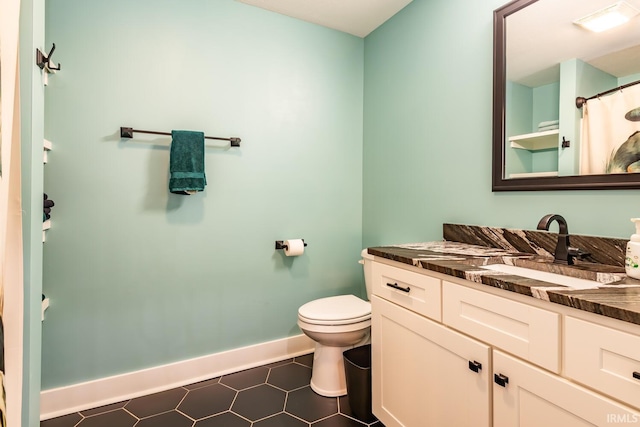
{"x":186,"y":163}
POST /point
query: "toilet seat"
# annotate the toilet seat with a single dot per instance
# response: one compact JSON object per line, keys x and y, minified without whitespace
{"x":337,"y":322}
{"x":337,"y":310}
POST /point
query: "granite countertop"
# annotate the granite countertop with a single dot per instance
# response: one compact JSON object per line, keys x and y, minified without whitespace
{"x":617,"y":297}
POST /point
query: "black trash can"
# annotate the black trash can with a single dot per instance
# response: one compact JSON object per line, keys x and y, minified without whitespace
{"x":357,"y":369}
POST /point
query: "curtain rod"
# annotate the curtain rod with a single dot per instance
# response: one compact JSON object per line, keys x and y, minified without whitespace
{"x":580,"y":101}
{"x":126,"y":132}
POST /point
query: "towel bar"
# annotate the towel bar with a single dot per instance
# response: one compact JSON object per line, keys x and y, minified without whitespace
{"x":126,"y":132}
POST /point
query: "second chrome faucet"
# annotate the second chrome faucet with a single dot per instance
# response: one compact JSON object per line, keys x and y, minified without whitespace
{"x":564,"y":253}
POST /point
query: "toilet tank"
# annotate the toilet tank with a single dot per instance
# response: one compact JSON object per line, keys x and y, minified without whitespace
{"x":367,"y":264}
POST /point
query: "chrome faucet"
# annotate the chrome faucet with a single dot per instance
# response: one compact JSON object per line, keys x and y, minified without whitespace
{"x":564,"y":253}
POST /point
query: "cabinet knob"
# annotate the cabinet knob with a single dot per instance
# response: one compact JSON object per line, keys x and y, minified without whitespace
{"x":475,"y":366}
{"x":398,"y":287}
{"x":501,"y":380}
{"x":636,"y":375}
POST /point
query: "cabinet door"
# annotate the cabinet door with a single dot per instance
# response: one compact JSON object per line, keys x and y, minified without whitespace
{"x":423,"y":374}
{"x":526,"y":396}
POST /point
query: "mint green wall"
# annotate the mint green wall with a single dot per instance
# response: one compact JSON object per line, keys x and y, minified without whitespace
{"x":138,"y":277}
{"x":545,"y":160}
{"x":545,"y":104}
{"x":628,"y":79}
{"x":32,"y":134}
{"x":569,"y":157}
{"x":528,"y":107}
{"x":545,"y":108}
{"x":427,"y":135}
{"x":519,"y":102}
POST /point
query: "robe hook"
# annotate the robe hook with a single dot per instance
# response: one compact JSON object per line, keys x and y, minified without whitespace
{"x":45,"y":60}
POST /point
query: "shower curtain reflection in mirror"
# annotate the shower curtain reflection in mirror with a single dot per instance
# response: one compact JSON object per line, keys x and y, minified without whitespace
{"x":610,"y":141}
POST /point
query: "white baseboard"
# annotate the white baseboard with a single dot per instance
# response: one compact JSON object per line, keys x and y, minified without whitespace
{"x":92,"y":394}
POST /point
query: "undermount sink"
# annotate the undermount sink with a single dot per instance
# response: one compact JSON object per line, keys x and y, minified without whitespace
{"x":558,"y":279}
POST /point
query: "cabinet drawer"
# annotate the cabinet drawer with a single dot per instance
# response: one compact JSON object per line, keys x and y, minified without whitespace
{"x":603,"y":358}
{"x":414,"y":291}
{"x":527,"y":332}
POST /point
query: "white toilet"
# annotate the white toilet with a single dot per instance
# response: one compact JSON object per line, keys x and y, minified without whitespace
{"x":336,"y":324}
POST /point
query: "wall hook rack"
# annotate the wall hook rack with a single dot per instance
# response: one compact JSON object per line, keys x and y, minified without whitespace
{"x":44,"y":61}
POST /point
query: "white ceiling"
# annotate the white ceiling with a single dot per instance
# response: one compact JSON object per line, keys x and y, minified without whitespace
{"x":357,"y":17}
{"x":542,"y":35}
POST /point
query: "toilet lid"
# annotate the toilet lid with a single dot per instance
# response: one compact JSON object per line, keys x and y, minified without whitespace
{"x":342,"y":307}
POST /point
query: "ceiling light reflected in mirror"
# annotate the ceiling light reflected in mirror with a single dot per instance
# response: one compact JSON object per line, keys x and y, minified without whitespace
{"x":608,"y":18}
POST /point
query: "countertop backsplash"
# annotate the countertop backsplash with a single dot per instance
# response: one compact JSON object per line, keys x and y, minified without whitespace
{"x":603,"y":250}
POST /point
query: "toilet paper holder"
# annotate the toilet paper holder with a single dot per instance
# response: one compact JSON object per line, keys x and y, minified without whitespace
{"x":281,"y":245}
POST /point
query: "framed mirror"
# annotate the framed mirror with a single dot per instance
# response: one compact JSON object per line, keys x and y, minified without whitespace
{"x":544,"y":61}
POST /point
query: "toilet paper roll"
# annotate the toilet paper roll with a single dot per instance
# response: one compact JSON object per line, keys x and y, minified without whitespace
{"x":295,"y":247}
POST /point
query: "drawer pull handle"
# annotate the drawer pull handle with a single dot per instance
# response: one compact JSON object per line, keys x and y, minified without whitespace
{"x":636,"y":375}
{"x":475,"y":366}
{"x":501,"y":380}
{"x":398,"y":287}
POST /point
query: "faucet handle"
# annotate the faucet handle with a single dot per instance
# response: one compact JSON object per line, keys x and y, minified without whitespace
{"x":577,"y":253}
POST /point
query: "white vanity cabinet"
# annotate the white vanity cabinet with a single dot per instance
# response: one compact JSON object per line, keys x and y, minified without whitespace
{"x":526,"y":355}
{"x":424,"y":374}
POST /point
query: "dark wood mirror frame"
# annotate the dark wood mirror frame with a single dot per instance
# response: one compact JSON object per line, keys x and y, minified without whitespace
{"x":499,"y":183}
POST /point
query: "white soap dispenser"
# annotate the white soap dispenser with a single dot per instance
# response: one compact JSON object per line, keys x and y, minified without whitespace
{"x":632,"y":259}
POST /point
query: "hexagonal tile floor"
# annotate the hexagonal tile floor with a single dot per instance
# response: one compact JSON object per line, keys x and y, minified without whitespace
{"x":274,"y":395}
